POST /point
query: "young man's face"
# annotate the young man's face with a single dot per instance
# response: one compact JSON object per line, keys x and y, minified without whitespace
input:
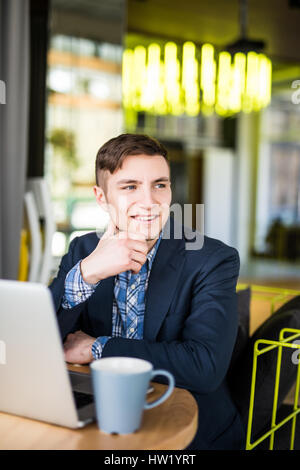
{"x":138,"y":195}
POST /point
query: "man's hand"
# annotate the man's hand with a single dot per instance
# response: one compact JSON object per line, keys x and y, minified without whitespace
{"x":78,"y":348}
{"x":114,"y":254}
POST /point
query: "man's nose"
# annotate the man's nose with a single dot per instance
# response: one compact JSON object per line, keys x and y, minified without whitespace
{"x":148,"y":198}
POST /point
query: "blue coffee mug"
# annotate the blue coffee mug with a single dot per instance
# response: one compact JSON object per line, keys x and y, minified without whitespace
{"x":120,"y":388}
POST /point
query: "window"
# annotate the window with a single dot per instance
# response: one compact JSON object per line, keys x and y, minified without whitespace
{"x":84,"y":110}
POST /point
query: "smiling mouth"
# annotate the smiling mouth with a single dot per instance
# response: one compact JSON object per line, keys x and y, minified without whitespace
{"x":145,"y":218}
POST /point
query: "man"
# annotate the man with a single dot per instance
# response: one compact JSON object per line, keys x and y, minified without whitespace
{"x":136,"y":292}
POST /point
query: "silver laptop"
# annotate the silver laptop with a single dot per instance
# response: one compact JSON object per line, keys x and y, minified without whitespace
{"x":34,"y":379}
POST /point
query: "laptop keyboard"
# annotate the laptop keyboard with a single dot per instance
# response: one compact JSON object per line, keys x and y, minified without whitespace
{"x":82,"y":399}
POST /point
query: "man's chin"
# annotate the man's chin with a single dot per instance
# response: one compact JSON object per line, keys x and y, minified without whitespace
{"x":150,"y":233}
{"x":150,"y":236}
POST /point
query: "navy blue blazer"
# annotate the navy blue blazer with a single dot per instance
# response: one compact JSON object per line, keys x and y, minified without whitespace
{"x":190,"y":325}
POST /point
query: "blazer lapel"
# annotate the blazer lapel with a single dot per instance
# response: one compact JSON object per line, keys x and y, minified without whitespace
{"x":164,"y":276}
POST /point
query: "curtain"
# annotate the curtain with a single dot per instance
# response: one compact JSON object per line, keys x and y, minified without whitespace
{"x":14,"y":72}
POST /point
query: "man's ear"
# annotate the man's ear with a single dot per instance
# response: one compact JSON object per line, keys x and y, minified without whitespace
{"x":100,"y":197}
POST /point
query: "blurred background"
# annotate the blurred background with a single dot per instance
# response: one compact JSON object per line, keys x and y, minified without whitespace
{"x":217,"y":82}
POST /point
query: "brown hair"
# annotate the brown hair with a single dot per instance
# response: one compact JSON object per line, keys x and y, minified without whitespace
{"x":111,"y":155}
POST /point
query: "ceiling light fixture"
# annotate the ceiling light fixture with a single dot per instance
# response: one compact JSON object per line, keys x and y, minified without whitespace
{"x":174,"y":80}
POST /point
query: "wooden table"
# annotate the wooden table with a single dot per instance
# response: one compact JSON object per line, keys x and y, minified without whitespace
{"x":169,"y":426}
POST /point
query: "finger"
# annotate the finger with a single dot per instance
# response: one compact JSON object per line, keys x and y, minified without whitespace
{"x":110,"y":230}
{"x":135,"y":267}
{"x":69,"y":336}
{"x":67,"y":345}
{"x":121,"y":234}
{"x":138,"y":245}
{"x":138,"y":257}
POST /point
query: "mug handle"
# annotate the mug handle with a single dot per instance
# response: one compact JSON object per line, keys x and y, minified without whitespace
{"x":167,"y":393}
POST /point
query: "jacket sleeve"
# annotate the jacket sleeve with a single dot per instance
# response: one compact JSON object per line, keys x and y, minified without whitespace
{"x":68,"y":318}
{"x":200,"y":359}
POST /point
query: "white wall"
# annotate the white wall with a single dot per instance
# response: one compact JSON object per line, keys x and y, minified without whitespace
{"x":218,"y":194}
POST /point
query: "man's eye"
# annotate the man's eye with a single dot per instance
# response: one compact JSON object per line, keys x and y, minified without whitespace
{"x":131,"y":186}
{"x":161,"y":185}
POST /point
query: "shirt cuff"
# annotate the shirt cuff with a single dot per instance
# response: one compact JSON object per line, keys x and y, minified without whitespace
{"x":77,"y":290}
{"x":98,"y":346}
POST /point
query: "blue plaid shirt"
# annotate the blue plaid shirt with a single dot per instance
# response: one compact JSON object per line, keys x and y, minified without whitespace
{"x":128,"y":302}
